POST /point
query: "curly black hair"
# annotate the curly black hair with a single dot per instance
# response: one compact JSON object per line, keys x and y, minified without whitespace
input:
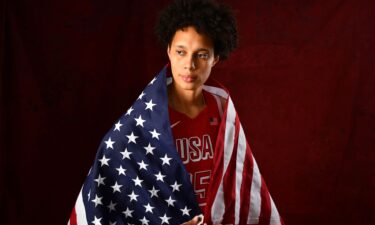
{"x":206,"y":16}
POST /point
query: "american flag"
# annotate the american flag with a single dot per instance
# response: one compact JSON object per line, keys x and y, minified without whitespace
{"x":139,"y":178}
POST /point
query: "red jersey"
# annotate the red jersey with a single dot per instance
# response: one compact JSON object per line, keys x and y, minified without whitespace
{"x":195,"y":142}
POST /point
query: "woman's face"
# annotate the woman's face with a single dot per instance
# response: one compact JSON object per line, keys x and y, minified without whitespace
{"x":191,"y":56}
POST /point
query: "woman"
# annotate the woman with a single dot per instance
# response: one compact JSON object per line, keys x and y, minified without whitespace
{"x":197,"y":34}
{"x":179,"y":152}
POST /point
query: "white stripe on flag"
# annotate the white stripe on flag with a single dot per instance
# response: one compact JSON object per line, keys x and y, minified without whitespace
{"x":218,"y":206}
{"x":241,"y":152}
{"x":219,"y":105}
{"x":275,"y":217}
{"x":229,"y":134}
{"x":80,"y":210}
{"x":255,"y":197}
{"x":216,"y":91}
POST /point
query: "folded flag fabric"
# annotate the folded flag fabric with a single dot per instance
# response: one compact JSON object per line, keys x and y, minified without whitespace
{"x":138,"y":177}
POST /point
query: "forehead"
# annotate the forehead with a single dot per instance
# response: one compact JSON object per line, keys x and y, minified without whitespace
{"x":189,"y":38}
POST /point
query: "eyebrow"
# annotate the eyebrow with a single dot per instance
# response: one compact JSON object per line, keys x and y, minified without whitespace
{"x":199,"y":49}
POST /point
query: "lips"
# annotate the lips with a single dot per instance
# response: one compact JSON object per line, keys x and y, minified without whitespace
{"x":188,"y":78}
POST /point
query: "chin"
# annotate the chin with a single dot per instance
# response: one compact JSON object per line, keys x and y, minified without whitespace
{"x":191,"y":87}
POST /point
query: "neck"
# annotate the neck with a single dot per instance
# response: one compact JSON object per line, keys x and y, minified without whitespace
{"x":189,"y":102}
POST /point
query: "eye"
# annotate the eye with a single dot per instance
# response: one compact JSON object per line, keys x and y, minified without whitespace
{"x":203,"y":55}
{"x":180,"y":52}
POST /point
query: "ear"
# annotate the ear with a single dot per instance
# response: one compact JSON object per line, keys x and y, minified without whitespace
{"x":169,"y":51}
{"x":216,"y":60}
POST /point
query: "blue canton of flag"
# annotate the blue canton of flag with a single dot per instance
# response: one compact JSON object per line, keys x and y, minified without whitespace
{"x":137,"y":176}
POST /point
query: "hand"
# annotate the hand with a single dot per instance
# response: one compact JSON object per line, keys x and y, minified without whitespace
{"x":194,"y":221}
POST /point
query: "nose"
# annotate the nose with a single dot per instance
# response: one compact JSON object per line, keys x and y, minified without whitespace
{"x":190,"y":63}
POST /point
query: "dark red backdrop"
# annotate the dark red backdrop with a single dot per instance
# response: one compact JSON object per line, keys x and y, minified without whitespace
{"x":302,"y":80}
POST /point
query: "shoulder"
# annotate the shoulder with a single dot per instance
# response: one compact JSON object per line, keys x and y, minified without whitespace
{"x":223,"y":102}
{"x":220,"y":102}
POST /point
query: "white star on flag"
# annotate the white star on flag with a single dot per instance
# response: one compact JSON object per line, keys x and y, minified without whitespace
{"x":128,"y":212}
{"x":116,"y":187}
{"x":137,"y":181}
{"x":132,"y":138}
{"x":170,"y":201}
{"x":100,"y":180}
{"x":185,"y":211}
{"x":176,"y":187}
{"x":117,"y":126}
{"x":126,"y":154}
{"x":149,"y":105}
{"x":133,"y":196}
{"x":165,"y":159}
{"x":160,"y":176}
{"x":153,"y":80}
{"x":130,"y":110}
{"x":112,"y":206}
{"x":141,"y":96}
{"x":121,"y":171}
{"x":142,"y":165}
{"x":139,"y":121}
{"x":109,"y":143}
{"x":104,"y":161}
{"x":148,"y":208}
{"x":149,"y":149}
{"x":155,"y":134}
{"x":97,"y":200}
{"x":96,"y":221}
{"x":165,"y":219}
{"x":154,"y":192}
{"x":144,"y":221}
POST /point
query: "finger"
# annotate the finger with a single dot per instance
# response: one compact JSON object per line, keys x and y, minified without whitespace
{"x":194,"y":221}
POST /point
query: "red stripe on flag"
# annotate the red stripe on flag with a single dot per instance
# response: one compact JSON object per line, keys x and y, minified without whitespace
{"x":247,"y":177}
{"x":265,"y":210}
{"x":281,"y":221}
{"x":73,"y":217}
{"x":229,"y":180}
{"x":217,"y":168}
